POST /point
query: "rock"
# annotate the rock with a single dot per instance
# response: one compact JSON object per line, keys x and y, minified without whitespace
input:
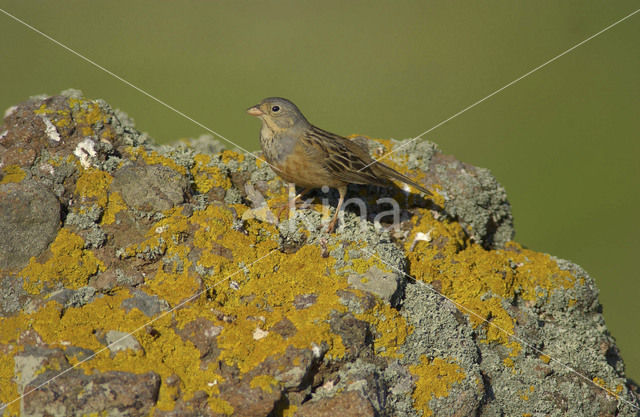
{"x":73,"y":393}
{"x":29,"y":214}
{"x":163,"y":275}
{"x":120,"y":341}
{"x":149,"y":305}
{"x":350,"y":404}
{"x":385,"y":285}
{"x":53,"y":388}
{"x":150,"y":188}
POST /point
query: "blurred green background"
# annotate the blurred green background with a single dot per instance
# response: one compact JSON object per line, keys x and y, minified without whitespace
{"x":564,"y":141}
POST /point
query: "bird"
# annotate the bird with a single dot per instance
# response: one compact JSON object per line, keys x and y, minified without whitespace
{"x":309,"y":157}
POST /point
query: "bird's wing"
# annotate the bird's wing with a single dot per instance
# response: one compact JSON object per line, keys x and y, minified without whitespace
{"x":349,"y":162}
{"x":342,"y":158}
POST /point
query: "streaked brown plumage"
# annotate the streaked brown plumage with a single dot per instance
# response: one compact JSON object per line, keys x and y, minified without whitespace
{"x":310,"y":157}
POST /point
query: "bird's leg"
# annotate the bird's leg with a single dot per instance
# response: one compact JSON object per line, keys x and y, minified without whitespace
{"x":291,"y":203}
{"x":343,"y":191}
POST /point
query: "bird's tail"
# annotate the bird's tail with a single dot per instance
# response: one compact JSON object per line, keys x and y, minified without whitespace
{"x":392,"y":173}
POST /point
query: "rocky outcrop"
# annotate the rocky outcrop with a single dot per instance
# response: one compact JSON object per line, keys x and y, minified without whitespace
{"x":139,"y":279}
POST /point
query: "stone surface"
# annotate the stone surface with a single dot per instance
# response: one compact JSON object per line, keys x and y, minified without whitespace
{"x":139,"y":279}
{"x":29,"y":221}
{"x":73,"y":393}
{"x":349,"y":404}
{"x":149,"y":188}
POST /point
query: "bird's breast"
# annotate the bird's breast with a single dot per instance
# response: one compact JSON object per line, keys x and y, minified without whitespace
{"x":303,"y":170}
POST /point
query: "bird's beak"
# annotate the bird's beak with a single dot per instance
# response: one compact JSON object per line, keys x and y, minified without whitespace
{"x":255,"y":111}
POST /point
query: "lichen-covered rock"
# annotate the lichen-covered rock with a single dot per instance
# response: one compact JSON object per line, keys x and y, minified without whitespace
{"x":29,"y":221}
{"x":155,"y":280}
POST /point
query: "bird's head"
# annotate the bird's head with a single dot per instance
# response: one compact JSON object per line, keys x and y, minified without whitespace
{"x":278,"y":114}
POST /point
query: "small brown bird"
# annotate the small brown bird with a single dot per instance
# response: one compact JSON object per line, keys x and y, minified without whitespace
{"x":309,"y":157}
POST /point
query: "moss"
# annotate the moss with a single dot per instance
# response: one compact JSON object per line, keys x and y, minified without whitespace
{"x":434,"y":379}
{"x":12,"y":173}
{"x":69,"y":264}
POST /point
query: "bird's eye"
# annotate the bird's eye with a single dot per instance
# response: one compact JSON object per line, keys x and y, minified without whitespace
{"x":275,"y":109}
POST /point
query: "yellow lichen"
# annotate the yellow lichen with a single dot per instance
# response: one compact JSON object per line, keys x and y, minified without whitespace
{"x":264,"y":382}
{"x":69,"y":264}
{"x":8,"y":388}
{"x":164,"y":352}
{"x":86,"y":114}
{"x":115,"y":204}
{"x":277,"y":287}
{"x":290,"y":411}
{"x":12,"y":173}
{"x":83,"y":114}
{"x":92,"y":187}
{"x":218,"y":405}
{"x":154,"y":158}
{"x":209,"y":271}
{"x":524,"y":394}
{"x":391,"y":328}
{"x":480,"y":281}
{"x":227,"y":156}
{"x":434,"y":379}
{"x":206,"y":177}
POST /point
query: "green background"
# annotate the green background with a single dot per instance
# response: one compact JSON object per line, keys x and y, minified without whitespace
{"x":564,"y":141}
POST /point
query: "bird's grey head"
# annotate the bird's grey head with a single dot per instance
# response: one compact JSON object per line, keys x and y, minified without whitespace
{"x":279,"y":113}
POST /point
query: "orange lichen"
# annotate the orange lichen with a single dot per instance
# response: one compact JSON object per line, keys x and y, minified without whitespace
{"x":434,"y":379}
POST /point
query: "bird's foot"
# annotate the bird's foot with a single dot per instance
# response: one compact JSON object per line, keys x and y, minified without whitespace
{"x":294,"y":202}
{"x":332,"y":226}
